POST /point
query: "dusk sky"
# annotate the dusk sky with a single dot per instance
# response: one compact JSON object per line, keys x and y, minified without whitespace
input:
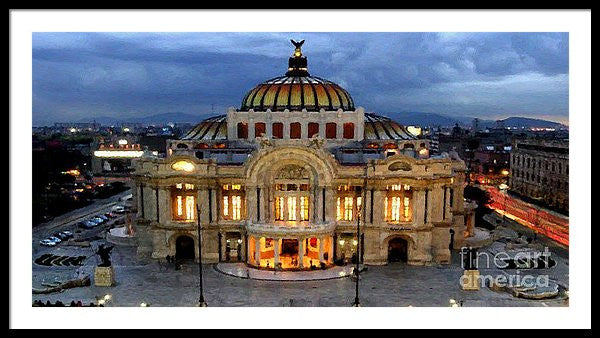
{"x":485,"y":75}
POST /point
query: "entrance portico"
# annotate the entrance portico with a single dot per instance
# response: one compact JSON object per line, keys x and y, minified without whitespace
{"x":289,"y":253}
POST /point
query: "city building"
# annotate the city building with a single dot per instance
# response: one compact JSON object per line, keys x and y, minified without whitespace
{"x":283,"y":181}
{"x":113,"y":154}
{"x":540,"y":171}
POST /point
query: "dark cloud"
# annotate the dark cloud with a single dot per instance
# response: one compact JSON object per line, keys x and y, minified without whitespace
{"x":491,"y":75}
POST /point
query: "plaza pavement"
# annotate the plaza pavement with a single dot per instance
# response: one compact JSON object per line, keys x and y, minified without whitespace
{"x":395,"y":285}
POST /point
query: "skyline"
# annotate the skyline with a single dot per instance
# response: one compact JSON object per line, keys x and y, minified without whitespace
{"x":484,"y":75}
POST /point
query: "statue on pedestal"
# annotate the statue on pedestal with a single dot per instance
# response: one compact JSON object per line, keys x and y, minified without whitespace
{"x":104,"y":253}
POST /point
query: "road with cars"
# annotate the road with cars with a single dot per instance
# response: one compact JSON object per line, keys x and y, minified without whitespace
{"x":77,"y":229}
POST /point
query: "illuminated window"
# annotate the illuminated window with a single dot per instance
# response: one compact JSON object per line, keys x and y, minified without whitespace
{"x":279,"y":207}
{"x":395,"y":214}
{"x":397,"y":203}
{"x":183,"y":166}
{"x":232,"y":201}
{"x":236,"y":207}
{"x":348,"y":199}
{"x":184,"y":202}
{"x":347,"y":208}
{"x":225,"y":206}
{"x":291,"y":208}
{"x":304,"y":208}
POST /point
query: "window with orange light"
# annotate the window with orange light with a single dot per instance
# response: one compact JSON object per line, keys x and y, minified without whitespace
{"x":183,"y":201}
{"x":232,"y":202}
{"x":398,"y":203}
{"x":349,"y":202}
{"x":292,"y":200}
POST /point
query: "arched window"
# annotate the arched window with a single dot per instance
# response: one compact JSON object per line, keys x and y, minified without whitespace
{"x":242,"y":130}
{"x":349,"y":130}
{"x":313,"y":129}
{"x":295,"y":130}
{"x":260,"y":128}
{"x":277,"y":130}
{"x":331,"y":130}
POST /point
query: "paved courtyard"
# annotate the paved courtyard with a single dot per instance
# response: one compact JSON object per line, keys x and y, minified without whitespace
{"x":393,"y":285}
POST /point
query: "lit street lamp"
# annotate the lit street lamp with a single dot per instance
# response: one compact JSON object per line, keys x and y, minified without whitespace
{"x":201,"y":302}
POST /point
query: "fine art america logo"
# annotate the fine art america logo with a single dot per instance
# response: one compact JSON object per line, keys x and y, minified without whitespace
{"x":523,"y":260}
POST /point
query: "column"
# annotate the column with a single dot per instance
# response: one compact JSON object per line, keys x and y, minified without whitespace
{"x":418,"y":206}
{"x":330,"y":250}
{"x":330,"y":204}
{"x":304,"y":131}
{"x":301,"y":249}
{"x":378,"y":206}
{"x":215,"y":201}
{"x":367,"y":207}
{"x":276,"y":250}
{"x":164,"y":205}
{"x":321,"y":249}
{"x":251,"y":203}
{"x":257,"y":250}
{"x":203,"y":205}
{"x":318,"y":214}
{"x":223,"y":245}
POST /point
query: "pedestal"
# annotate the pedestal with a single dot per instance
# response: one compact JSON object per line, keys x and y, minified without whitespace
{"x":104,"y":276}
{"x":469,"y":281}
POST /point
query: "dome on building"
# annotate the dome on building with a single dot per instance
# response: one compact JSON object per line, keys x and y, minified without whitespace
{"x":297,"y":90}
{"x":377,"y":127}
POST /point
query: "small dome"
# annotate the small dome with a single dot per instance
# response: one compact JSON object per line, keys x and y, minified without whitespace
{"x":379,"y":127}
{"x":213,"y":128}
{"x":297,"y":90}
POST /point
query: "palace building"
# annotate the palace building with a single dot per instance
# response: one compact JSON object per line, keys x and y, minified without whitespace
{"x":282,"y":181}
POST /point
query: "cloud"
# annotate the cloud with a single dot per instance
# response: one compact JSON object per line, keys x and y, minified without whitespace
{"x":124,"y":74}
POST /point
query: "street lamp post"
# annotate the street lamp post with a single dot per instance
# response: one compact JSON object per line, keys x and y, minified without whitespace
{"x":359,"y":243}
{"x":201,"y":302}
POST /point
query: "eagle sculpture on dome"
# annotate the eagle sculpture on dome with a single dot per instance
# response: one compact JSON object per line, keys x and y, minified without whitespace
{"x":298,"y":46}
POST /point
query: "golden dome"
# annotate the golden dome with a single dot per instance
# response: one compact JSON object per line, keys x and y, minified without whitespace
{"x":297,"y":90}
{"x":297,"y":93}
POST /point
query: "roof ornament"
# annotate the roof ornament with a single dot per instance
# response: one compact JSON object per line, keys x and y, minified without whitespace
{"x":298,"y":45}
{"x":297,"y":64}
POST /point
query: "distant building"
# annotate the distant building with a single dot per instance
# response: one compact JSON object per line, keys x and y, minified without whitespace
{"x":540,"y":171}
{"x":112,"y":155}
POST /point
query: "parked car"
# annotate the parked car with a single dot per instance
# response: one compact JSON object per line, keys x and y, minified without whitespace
{"x":55,"y":239}
{"x":47,"y":242}
{"x":87,"y":224}
{"x":104,"y":218}
{"x":110,"y":215}
{"x":98,"y":220}
{"x":67,"y":233}
{"x":119,"y":209}
{"x":61,"y":236}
